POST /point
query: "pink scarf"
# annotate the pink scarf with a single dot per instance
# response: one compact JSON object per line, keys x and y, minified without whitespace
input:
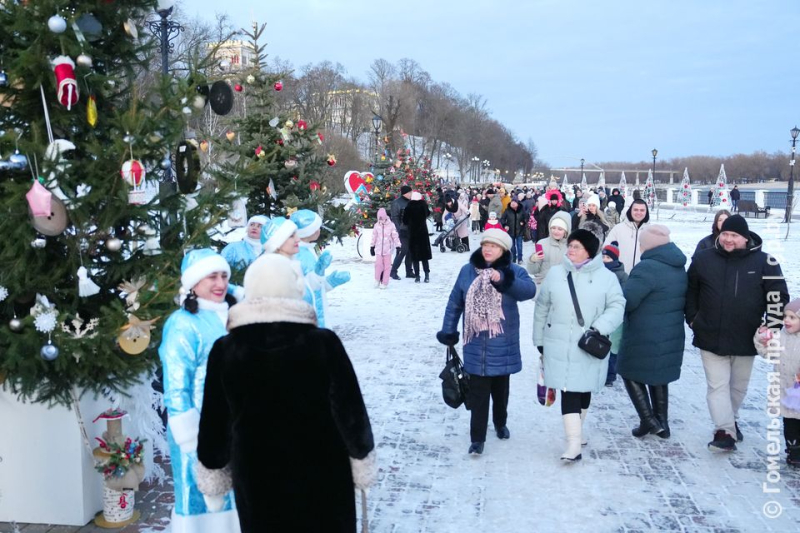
{"x":484,"y":307}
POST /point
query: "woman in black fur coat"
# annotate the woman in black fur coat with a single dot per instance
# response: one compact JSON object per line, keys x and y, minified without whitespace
{"x":415,"y":217}
{"x":283,"y":412}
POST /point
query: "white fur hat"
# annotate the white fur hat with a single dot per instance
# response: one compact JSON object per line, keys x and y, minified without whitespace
{"x":273,"y":275}
{"x":275,"y":234}
{"x":200,"y":263}
{"x":258,"y":219}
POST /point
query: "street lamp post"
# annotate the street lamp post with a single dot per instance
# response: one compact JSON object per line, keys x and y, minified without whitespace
{"x":790,"y":192}
{"x":655,"y":153}
{"x":166,"y":30}
{"x":377,"y":122}
{"x":580,"y":178}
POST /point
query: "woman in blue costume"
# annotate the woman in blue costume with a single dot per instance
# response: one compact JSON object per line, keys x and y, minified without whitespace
{"x":188,"y":336}
{"x":318,"y":282}
{"x":240,"y":254}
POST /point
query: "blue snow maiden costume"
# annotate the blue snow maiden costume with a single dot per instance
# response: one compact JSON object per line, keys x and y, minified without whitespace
{"x":308,"y":223}
{"x":186,"y":342}
{"x":240,"y":254}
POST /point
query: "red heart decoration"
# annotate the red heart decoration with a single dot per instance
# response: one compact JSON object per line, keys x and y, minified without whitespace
{"x":355,"y":183}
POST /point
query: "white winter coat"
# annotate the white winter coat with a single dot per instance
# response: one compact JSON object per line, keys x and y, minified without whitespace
{"x":627,"y":235}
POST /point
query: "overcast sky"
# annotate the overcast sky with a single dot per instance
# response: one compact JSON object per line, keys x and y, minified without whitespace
{"x":603,"y":80}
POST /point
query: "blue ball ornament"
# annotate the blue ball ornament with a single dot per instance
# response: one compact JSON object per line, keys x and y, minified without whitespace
{"x":379,"y":177}
{"x":49,"y":352}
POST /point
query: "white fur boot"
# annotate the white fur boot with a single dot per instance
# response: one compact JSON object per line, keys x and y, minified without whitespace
{"x":584,"y":438}
{"x":572,"y":429}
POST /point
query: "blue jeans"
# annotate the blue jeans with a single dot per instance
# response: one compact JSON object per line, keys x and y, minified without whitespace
{"x":612,"y":367}
{"x":516,"y":248}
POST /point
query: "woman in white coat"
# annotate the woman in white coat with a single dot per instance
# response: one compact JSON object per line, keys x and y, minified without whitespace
{"x":556,"y":330}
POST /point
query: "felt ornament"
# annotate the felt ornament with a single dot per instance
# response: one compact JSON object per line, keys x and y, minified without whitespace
{"x":91,"y":111}
{"x":66,"y":85}
{"x":39,"y":200}
{"x":133,"y":172}
{"x":86,"y":287}
{"x":135,"y":336}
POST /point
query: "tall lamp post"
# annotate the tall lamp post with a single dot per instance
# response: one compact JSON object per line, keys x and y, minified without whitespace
{"x":580,"y":178}
{"x":166,"y":30}
{"x":655,"y":153}
{"x":790,"y":192}
{"x":377,"y":122}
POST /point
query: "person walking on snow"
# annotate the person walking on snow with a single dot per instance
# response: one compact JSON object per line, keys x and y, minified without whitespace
{"x":384,"y":240}
{"x":398,"y":207}
{"x":486,"y":294}
{"x":626,"y":233}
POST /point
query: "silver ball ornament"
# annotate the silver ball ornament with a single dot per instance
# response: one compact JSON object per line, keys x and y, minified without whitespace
{"x":114,"y":244}
{"x":199,"y":102}
{"x":49,"y":352}
{"x":84,"y":60}
{"x":3,"y":79}
{"x":186,"y":110}
{"x":251,"y":79}
{"x":224,"y":64}
{"x":15,"y":325}
{"x":57,"y":24}
{"x":39,"y":243}
{"x":18,"y":161}
{"x":166,"y":163}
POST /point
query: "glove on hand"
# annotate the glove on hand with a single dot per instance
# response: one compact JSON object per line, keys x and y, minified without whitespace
{"x":397,"y":249}
{"x":338,"y":277}
{"x":323,"y":263}
{"x":448,"y":339}
{"x":372,"y":251}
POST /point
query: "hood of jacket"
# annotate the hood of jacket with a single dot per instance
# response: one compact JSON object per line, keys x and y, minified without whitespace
{"x":563,"y":215}
{"x":669,"y":254}
{"x":382,"y":217}
{"x":629,"y":214}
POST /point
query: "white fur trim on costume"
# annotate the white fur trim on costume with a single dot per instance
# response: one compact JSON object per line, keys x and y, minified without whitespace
{"x":259,"y":219}
{"x":265,"y":310}
{"x":227,"y":521}
{"x":213,"y":481}
{"x":203,"y":268}
{"x":185,"y":427}
{"x":274,"y":276}
{"x":281,"y":235}
{"x":365,"y":471}
{"x":309,"y":230}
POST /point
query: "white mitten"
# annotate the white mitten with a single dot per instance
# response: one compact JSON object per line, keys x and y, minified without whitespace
{"x":365,"y":471}
{"x":214,"y":503}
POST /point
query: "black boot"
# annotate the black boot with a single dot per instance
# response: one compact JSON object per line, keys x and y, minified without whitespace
{"x":648,"y":423}
{"x":793,"y":453}
{"x":660,"y":396}
{"x":427,"y":277}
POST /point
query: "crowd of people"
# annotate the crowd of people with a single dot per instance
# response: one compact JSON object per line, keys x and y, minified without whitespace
{"x":598,"y":265}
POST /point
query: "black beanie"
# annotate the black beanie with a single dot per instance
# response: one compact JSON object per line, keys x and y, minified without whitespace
{"x":736,"y":224}
{"x":587,"y":239}
{"x":405,"y":189}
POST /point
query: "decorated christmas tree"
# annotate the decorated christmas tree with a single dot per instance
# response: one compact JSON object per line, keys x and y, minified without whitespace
{"x":685,"y":193}
{"x":94,"y":229}
{"x":721,"y":194}
{"x":623,"y":186}
{"x":649,"y":195}
{"x":584,"y":184}
{"x":384,"y":187}
{"x":275,"y":155}
{"x":564,"y":184}
{"x":601,"y":181}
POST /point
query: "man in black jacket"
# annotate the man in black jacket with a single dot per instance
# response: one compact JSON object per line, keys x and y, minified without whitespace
{"x":731,"y":288}
{"x":735,"y":197}
{"x":396,"y":214}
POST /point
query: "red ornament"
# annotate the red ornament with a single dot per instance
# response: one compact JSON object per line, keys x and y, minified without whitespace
{"x":278,"y":86}
{"x":260,"y":152}
{"x":321,"y":137}
{"x":301,"y":125}
{"x":724,"y":200}
{"x":66,"y":85}
{"x":721,"y":184}
{"x":238,"y":88}
{"x":314,"y":186}
{"x":685,"y":186}
{"x":279,"y":142}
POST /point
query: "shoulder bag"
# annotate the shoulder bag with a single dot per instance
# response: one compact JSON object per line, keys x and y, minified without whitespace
{"x":591,"y":342}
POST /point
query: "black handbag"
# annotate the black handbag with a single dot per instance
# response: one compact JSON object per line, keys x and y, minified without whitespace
{"x":592,"y":341}
{"x":455,"y":381}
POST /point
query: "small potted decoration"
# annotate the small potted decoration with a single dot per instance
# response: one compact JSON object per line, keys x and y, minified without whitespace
{"x":120,"y":460}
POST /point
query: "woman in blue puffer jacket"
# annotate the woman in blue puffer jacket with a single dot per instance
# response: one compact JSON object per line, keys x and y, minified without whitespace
{"x":486,"y":293}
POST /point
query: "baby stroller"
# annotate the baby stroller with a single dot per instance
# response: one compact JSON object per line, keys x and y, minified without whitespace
{"x":448,"y":237}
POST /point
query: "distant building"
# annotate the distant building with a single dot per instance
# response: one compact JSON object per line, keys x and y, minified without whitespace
{"x":239,"y":54}
{"x":345,"y":105}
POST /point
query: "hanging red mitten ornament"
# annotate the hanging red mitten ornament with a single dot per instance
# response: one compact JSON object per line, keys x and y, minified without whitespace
{"x":39,"y":200}
{"x":66,"y":86}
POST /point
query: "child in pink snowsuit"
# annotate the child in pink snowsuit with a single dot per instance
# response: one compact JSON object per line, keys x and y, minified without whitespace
{"x":384,"y":240}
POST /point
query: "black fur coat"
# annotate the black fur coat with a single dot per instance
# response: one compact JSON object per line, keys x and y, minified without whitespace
{"x":282,"y":407}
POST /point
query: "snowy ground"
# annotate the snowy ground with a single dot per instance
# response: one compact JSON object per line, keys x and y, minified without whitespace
{"x":428,"y":482}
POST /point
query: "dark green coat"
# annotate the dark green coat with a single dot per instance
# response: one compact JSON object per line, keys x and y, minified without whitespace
{"x":652,"y":333}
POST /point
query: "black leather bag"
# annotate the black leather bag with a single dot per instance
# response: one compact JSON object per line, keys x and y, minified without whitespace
{"x":592,"y":341}
{"x":455,"y":382}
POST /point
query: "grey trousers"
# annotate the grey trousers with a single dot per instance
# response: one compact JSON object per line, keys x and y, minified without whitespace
{"x":727,"y":377}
